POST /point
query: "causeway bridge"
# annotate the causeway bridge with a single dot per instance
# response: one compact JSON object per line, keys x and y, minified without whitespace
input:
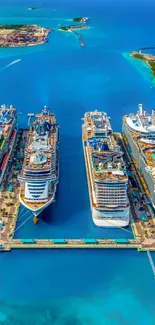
{"x":71,"y":244}
{"x":146,"y":48}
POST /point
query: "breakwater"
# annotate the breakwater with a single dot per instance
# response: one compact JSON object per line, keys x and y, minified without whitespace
{"x":80,"y":38}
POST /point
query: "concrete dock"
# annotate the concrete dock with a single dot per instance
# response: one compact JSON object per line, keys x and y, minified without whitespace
{"x":9,"y":193}
{"x":71,"y":243}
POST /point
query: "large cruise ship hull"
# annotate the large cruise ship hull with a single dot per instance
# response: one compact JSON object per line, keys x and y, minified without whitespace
{"x":100,"y":217}
{"x":110,"y":219}
{"x":142,"y":165}
{"x":40,"y":171}
{"x":37,"y":212}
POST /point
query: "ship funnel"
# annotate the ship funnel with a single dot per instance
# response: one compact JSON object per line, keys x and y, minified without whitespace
{"x":140,"y":108}
{"x":153,"y":113}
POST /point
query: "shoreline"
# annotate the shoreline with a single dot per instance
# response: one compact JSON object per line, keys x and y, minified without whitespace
{"x":145,"y":58}
{"x":72,"y":28}
{"x":22,"y":35}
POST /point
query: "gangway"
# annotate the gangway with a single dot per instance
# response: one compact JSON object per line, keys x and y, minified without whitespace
{"x":151,"y":262}
{"x":30,"y":115}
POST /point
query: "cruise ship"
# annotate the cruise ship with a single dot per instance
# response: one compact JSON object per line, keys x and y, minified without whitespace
{"x":40,"y":171}
{"x":106,"y":172}
{"x":8,"y":132}
{"x":139,"y":135}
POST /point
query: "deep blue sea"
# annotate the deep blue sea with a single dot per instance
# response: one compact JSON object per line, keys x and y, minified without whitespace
{"x":101,"y":287}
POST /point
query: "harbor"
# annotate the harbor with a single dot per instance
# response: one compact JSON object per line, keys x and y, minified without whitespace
{"x":143,"y":230}
{"x":7,"y":241}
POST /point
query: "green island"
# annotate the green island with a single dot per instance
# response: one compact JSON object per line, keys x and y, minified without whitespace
{"x":19,"y":35}
{"x":149,"y":59}
{"x":80,"y":19}
{"x":72,"y":28}
{"x":17,"y":27}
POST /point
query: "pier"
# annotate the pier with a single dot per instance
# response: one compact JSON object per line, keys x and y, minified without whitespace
{"x":71,"y":244}
{"x":9,"y":193}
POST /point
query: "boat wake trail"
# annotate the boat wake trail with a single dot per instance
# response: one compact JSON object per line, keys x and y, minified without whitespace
{"x":8,"y":65}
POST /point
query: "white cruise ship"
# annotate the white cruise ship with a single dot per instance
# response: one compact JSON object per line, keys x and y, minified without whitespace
{"x":106,"y":172}
{"x":40,"y":172}
{"x":8,"y":132}
{"x":139,"y":135}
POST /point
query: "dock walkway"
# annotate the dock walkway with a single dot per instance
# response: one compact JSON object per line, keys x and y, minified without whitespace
{"x":71,"y":243}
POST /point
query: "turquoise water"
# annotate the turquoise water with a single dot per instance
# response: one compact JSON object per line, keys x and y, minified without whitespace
{"x":77,"y":287}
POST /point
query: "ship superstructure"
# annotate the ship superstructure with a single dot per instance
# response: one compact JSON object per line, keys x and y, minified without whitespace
{"x":8,"y":132}
{"x":40,"y":170}
{"x":139,"y":132}
{"x":106,"y":172}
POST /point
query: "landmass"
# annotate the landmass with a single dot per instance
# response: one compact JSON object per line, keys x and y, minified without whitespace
{"x":80,"y":19}
{"x":72,"y":27}
{"x":22,"y":35}
{"x":149,"y":59}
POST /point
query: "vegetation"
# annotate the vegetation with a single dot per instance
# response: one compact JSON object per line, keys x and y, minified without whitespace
{"x":77,"y":19}
{"x":1,"y":140}
{"x":138,"y":56}
{"x":66,"y":28}
{"x":152,"y":65}
{"x":12,"y":26}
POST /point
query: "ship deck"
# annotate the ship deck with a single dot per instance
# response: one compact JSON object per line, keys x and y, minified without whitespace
{"x":35,"y":206}
{"x":146,"y":148}
{"x":38,"y":142}
{"x":103,"y":151}
{"x":96,"y":177}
